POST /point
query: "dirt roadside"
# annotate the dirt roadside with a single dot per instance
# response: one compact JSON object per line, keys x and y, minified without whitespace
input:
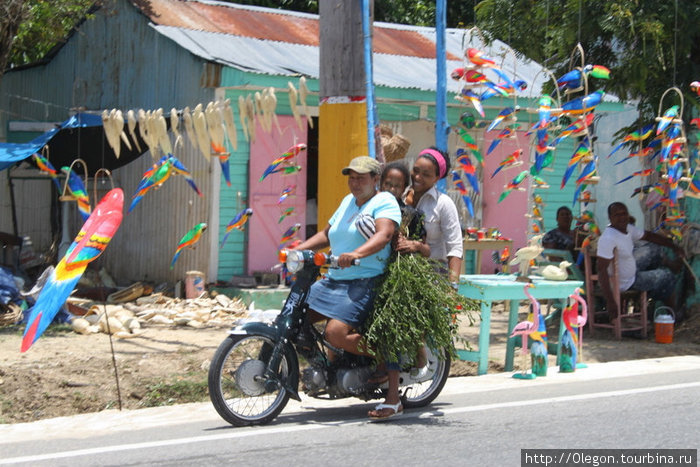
{"x":65,"y":373}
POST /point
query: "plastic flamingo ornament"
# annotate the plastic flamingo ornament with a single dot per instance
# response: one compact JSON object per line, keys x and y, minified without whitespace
{"x":569,"y":339}
{"x":581,"y":320}
{"x":91,"y":241}
{"x":77,"y":192}
{"x":45,"y":166}
{"x":524,"y":329}
{"x":237,"y":222}
{"x":188,"y":241}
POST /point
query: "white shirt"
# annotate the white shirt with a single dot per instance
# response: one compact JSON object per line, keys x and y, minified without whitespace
{"x":444,"y":234}
{"x":626,"y":266}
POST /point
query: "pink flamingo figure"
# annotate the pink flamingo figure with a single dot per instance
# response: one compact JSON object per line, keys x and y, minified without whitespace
{"x":580,"y":319}
{"x":525,"y":328}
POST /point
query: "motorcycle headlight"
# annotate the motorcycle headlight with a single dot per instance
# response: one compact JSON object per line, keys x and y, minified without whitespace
{"x":295,"y":260}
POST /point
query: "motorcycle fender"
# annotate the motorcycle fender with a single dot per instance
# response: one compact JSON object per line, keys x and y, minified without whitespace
{"x":262,"y":329}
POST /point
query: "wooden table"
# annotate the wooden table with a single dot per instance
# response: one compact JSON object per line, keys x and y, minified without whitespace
{"x":490,"y":288}
{"x":481,"y":245}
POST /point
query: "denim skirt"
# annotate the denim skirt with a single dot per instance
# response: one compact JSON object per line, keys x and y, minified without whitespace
{"x":349,"y":301}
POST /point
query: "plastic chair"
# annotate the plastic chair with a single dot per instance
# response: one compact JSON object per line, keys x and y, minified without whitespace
{"x":630,"y":317}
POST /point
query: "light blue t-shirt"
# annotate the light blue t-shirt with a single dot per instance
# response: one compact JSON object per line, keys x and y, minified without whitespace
{"x":344,"y":236}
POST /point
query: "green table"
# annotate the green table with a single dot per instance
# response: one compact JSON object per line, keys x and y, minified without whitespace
{"x":490,"y":288}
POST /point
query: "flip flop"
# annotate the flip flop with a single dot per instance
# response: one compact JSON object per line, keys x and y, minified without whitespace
{"x":394,"y":407}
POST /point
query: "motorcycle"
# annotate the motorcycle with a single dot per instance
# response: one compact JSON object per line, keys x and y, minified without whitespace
{"x":256,"y":369}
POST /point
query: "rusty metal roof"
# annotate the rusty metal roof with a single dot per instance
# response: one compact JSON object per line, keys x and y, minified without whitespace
{"x":281,"y":42}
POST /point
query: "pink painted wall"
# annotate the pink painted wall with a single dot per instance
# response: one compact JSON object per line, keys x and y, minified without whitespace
{"x":265,"y":232}
{"x":508,"y":216}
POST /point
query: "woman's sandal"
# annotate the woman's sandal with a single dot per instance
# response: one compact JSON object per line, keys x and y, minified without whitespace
{"x":380,"y":415}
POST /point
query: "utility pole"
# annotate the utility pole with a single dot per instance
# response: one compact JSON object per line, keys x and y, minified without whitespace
{"x":342,"y":99}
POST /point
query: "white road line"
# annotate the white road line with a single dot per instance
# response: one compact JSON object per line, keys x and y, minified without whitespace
{"x":295,"y":428}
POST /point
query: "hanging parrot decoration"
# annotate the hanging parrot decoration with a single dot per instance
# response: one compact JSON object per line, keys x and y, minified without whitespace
{"x":637,"y":135}
{"x":469,"y":96}
{"x":286,"y":192}
{"x":518,"y":84}
{"x":583,"y":104}
{"x":469,"y":171}
{"x":77,"y":192}
{"x":223,"y":157}
{"x":478,"y":58}
{"x":471,"y":145}
{"x":91,"y":241}
{"x":576,"y":128}
{"x":513,"y":184}
{"x":289,"y":234}
{"x":508,"y":112}
{"x":638,"y":173}
{"x":180,"y":169}
{"x":286,"y":213}
{"x":237,"y":222}
{"x":666,"y":120}
{"x":508,"y":132}
{"x":276,"y":165}
{"x":459,"y":184}
{"x":188,"y":241}
{"x":45,"y":166}
{"x":510,"y":161}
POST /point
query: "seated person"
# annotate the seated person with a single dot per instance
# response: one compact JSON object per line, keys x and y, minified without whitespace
{"x":561,"y":238}
{"x":644,"y":274}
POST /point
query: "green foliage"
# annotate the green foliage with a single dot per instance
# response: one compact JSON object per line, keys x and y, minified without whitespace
{"x":414,"y":304}
{"x":179,"y":392}
{"x":47,"y":24}
{"x":648,"y":45}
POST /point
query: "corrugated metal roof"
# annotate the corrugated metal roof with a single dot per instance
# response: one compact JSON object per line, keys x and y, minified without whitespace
{"x":280,"y":42}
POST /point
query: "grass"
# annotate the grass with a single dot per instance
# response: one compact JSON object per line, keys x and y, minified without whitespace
{"x":178,"y":392}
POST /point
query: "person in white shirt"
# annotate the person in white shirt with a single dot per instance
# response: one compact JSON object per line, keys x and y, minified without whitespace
{"x":620,"y":235}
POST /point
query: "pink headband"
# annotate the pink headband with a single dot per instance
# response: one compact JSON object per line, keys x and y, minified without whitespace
{"x":439,"y":158}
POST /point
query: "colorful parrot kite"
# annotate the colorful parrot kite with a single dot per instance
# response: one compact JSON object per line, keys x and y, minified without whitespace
{"x":237,"y":222}
{"x":289,"y":234}
{"x":188,"y":241}
{"x":91,"y":241}
{"x":77,"y":192}
{"x":45,"y":166}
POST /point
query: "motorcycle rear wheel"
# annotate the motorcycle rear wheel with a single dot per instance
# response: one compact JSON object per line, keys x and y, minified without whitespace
{"x":236,"y":383}
{"x":419,"y":394}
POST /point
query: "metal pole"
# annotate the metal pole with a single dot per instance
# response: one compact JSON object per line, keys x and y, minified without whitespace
{"x":441,"y":126}
{"x":367,"y":42}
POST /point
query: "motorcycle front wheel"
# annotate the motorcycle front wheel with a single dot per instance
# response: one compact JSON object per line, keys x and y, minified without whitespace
{"x":419,"y":392}
{"x":237,"y":385}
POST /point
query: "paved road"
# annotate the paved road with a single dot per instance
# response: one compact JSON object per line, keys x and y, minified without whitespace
{"x":481,"y":421}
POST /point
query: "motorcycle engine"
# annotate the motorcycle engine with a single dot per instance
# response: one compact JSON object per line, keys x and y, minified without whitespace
{"x":352,"y":381}
{"x":314,"y":380}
